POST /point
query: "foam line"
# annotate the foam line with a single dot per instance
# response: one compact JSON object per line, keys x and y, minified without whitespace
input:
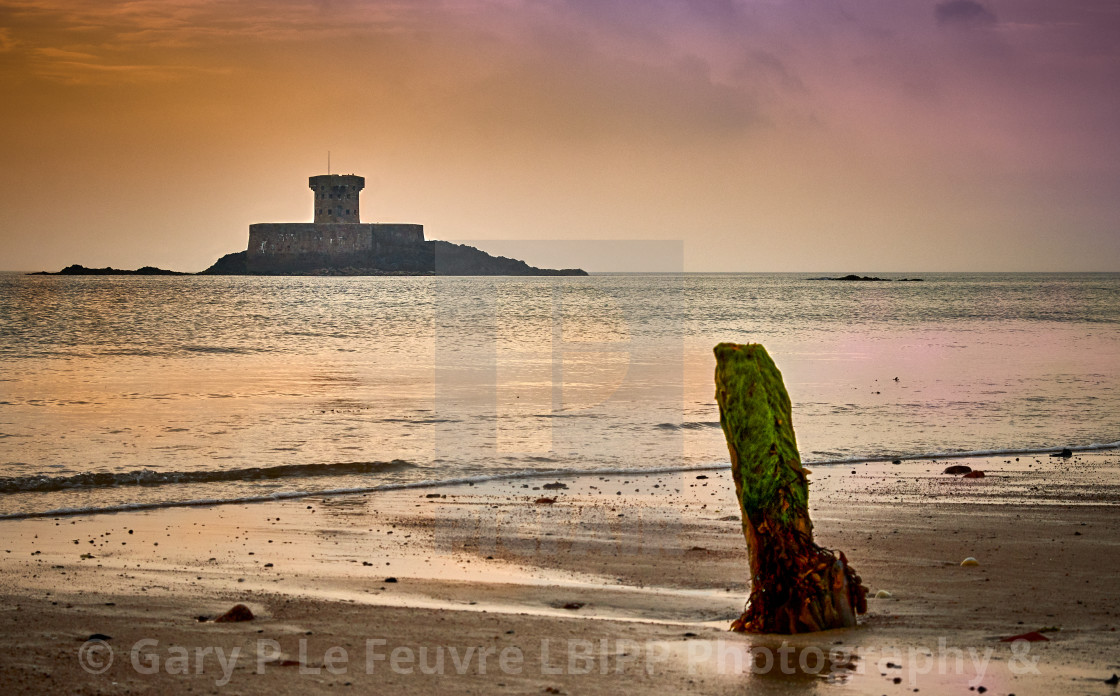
{"x":550,"y":473}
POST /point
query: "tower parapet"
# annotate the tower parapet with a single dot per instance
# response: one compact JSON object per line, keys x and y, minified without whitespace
{"x":336,"y":197}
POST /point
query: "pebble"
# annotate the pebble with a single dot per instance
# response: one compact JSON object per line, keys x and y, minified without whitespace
{"x":239,"y":612}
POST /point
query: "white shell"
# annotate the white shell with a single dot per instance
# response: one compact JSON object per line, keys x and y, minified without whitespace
{"x":883,"y":594}
{"x":970,"y":561}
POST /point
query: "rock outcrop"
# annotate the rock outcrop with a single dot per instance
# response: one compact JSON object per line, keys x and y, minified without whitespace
{"x":78,"y":269}
{"x":852,"y":276}
{"x":432,"y":257}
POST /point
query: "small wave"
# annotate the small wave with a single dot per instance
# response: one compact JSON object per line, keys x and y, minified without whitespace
{"x":418,"y":421}
{"x":218,"y":349}
{"x":688,"y":425}
{"x":147,"y":477}
{"x":534,"y":473}
{"x":965,"y":454}
{"x":121,"y":352}
{"x":288,"y":495}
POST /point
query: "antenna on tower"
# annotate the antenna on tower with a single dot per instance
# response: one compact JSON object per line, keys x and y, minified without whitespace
{"x":328,"y":161}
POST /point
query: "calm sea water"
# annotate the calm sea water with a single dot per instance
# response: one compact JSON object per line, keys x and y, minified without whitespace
{"x":118,"y":391}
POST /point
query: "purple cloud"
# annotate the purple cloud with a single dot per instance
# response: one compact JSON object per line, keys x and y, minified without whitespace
{"x":963,"y":13}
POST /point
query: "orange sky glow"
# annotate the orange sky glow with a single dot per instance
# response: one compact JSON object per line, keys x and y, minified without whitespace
{"x":783,"y":135}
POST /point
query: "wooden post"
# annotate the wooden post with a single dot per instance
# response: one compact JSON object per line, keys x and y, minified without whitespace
{"x":796,"y":586}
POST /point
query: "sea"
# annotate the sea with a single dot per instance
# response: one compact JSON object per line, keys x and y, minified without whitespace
{"x":134,"y":392}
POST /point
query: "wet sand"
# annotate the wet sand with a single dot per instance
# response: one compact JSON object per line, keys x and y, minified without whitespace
{"x":622,"y":582}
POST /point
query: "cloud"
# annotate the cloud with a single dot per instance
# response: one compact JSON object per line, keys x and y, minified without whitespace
{"x":963,"y":13}
{"x":575,"y":92}
{"x":63,"y":54}
{"x":764,"y":65}
{"x":140,"y":41}
{"x":73,"y":67}
{"x":77,"y":72}
{"x":170,"y":23}
{"x":7,"y":43}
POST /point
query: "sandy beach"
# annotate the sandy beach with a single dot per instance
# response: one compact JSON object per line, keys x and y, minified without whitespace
{"x":608,"y":582}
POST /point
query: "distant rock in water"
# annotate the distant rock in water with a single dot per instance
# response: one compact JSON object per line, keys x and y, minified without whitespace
{"x":78,"y":269}
{"x":230,"y":264}
{"x":460,"y":259}
{"x":871,"y":278}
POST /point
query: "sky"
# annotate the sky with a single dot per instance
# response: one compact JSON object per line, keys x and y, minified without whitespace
{"x":754,"y":135}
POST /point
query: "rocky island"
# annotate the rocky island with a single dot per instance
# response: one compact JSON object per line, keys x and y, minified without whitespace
{"x":338,"y":243}
{"x":853,"y":276}
{"x":78,"y":269}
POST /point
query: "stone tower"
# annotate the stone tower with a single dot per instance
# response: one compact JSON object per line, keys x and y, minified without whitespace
{"x":336,"y":197}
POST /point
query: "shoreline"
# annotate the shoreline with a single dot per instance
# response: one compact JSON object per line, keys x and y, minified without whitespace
{"x":653,"y":560}
{"x":1052,"y":452}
